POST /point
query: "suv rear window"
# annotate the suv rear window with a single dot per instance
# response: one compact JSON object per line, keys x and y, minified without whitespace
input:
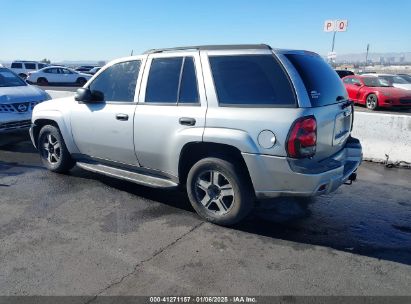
{"x":253,"y":80}
{"x":323,"y":85}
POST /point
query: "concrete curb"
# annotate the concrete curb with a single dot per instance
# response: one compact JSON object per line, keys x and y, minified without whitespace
{"x":59,"y":94}
{"x":385,"y":138}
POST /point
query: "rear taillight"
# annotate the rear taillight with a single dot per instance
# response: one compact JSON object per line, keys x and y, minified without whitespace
{"x":302,"y":139}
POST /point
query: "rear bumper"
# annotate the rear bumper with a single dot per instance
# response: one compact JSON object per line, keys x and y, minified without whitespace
{"x":281,"y":176}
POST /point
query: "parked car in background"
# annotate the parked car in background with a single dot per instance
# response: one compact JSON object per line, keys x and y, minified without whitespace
{"x":375,"y":92}
{"x":394,"y":80}
{"x":343,"y":73}
{"x":58,"y":75}
{"x":17,"y":100}
{"x":407,"y":77}
{"x":94,"y":70}
{"x":84,"y":68}
{"x":228,"y":123}
{"x":22,"y":68}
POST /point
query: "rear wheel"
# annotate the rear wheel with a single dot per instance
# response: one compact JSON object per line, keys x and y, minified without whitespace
{"x":42,"y":81}
{"x":220,"y":192}
{"x":81,"y":81}
{"x":371,"y":102}
{"x":53,"y":150}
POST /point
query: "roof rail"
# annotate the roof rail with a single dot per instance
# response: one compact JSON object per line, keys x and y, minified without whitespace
{"x":212,"y":47}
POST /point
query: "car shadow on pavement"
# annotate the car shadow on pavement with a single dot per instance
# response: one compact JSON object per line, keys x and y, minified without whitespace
{"x":301,"y":220}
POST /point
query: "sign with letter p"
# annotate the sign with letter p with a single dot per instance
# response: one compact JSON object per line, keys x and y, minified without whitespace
{"x":329,"y":26}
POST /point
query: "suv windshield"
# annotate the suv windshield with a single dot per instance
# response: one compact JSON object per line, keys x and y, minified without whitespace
{"x":322,"y":83}
{"x":375,"y":82}
{"x":9,"y":79}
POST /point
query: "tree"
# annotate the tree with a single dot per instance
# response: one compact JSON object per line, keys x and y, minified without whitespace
{"x":45,"y":60}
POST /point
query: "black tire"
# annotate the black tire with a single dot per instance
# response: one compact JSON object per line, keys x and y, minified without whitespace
{"x":42,"y":81}
{"x":371,"y":102}
{"x":61,"y":161}
{"x":81,"y":81}
{"x":235,"y":207}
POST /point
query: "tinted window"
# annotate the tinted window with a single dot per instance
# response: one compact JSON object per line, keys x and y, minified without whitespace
{"x":252,"y":80}
{"x":118,"y":82}
{"x":30,"y":66}
{"x":188,"y":86}
{"x":52,"y":71}
{"x":347,"y":80}
{"x":322,"y":83}
{"x":40,"y":66}
{"x":65,"y":71}
{"x":16,"y":65}
{"x":163,"y":80}
{"x":9,"y":79}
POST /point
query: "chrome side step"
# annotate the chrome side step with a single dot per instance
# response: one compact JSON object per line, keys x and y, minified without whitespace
{"x":138,"y":178}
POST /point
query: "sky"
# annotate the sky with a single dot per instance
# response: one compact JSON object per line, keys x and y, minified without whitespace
{"x":104,"y":30}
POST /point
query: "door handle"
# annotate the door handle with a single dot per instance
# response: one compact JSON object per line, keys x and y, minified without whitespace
{"x":122,"y":117}
{"x":187,"y":121}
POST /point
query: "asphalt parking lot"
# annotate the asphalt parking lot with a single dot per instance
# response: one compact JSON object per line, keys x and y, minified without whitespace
{"x":86,"y":234}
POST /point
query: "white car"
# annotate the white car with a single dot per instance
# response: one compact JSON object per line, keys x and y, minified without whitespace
{"x":23,"y":68}
{"x":393,"y":80}
{"x":17,"y":100}
{"x":58,"y":75}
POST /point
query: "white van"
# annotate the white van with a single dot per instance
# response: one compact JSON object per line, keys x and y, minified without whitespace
{"x":22,"y":68}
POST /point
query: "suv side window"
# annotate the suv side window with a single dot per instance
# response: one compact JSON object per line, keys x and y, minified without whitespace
{"x":118,"y":82}
{"x":30,"y":66}
{"x":16,"y":65}
{"x":253,"y":80}
{"x":188,"y":86}
{"x":172,"y":80}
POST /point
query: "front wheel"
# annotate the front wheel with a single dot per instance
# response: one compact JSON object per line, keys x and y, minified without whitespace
{"x":372,"y":102}
{"x":53,"y":150}
{"x":81,"y":81}
{"x":220,"y":192}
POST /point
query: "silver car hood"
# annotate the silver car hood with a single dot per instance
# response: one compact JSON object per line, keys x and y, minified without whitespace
{"x":21,"y":94}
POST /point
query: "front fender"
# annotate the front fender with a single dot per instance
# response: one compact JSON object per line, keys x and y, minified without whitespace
{"x":63,"y":123}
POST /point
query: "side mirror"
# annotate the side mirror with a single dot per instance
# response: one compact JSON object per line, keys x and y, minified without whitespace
{"x":87,"y":96}
{"x":357,"y":84}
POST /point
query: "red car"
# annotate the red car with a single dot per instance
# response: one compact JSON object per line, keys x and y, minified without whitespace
{"x":375,"y":92}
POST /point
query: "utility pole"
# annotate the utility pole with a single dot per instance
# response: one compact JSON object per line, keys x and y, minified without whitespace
{"x":366,"y":56}
{"x":131,"y":52}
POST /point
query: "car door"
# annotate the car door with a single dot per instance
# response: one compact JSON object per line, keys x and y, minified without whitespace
{"x":51,"y":74}
{"x":104,"y":130}
{"x":352,"y":86}
{"x":67,"y":76}
{"x":171,"y":109}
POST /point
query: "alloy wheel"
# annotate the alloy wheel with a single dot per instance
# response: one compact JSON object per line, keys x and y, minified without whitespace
{"x":214,"y":191}
{"x":51,"y":149}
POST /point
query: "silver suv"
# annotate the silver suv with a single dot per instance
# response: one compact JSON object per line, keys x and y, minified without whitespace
{"x":229,"y":123}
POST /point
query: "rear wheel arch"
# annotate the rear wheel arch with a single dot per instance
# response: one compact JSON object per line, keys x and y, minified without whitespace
{"x":193,"y":152}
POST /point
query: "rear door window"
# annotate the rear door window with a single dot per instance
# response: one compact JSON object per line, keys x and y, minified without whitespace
{"x":251,"y":80}
{"x":172,"y":80}
{"x":322,"y":83}
{"x":30,"y":66}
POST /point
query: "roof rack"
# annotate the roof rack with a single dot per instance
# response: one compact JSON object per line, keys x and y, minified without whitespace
{"x":212,"y":47}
